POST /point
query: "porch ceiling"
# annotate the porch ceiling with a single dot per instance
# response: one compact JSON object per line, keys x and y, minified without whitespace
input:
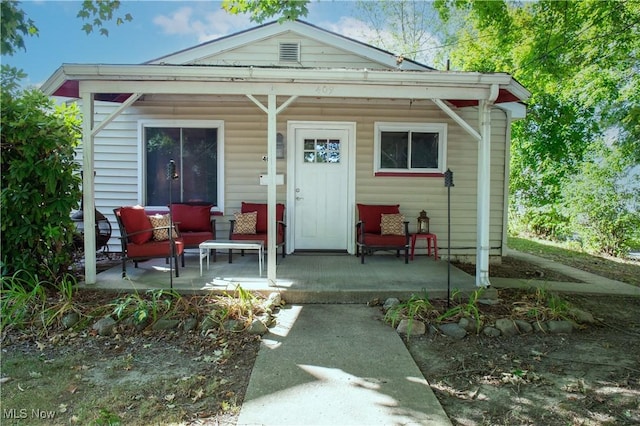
{"x":115,"y":82}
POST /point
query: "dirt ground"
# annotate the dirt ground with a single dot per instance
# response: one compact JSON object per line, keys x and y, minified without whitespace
{"x":589,"y":377}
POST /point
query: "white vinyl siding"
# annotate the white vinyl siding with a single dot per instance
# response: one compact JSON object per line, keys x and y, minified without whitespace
{"x":245,"y":143}
{"x":312,"y":54}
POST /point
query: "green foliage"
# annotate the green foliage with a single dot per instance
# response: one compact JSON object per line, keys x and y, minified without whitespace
{"x":24,"y":301}
{"x":603,"y":202}
{"x":241,"y":306}
{"x":21,"y":297}
{"x":421,"y":308}
{"x":40,"y":184}
{"x":14,"y":26}
{"x":580,"y":62}
{"x":468,"y":309}
{"x":145,"y":309}
{"x":416,"y":307}
{"x":543,"y":305}
{"x":261,"y":10}
{"x":97,"y":13}
{"x":107,"y":418}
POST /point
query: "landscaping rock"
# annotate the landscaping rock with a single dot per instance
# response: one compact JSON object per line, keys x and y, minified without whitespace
{"x":559,"y":326}
{"x":523,"y":326}
{"x":452,"y":330}
{"x":540,"y":327}
{"x":165,"y":324}
{"x":190,"y":324}
{"x":207,"y":324}
{"x":416,"y":327}
{"x":489,"y":302}
{"x":105,"y":326}
{"x":266,"y":319}
{"x":507,"y":327}
{"x":491,"y":332}
{"x":257,"y":327}
{"x":70,"y":319}
{"x":390,"y":303}
{"x":468,"y":324}
{"x":232,"y":325}
{"x":273,"y":301}
{"x":582,"y":317}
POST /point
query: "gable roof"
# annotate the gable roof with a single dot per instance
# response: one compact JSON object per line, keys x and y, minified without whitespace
{"x":194,"y":54}
{"x":176,"y":73}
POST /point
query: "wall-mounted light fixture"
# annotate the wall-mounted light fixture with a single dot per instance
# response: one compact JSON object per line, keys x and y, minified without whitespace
{"x":280,"y":146}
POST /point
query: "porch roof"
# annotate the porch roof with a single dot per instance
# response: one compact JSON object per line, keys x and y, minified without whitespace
{"x":117,"y":82}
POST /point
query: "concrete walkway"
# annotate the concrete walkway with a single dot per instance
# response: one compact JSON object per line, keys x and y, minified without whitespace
{"x":337,"y":365}
{"x":329,"y":364}
{"x":592,"y":284}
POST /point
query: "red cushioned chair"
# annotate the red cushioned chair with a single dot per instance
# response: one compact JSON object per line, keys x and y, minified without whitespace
{"x":195,"y":223}
{"x":369,"y":231}
{"x":138,"y":244}
{"x":261,"y":226}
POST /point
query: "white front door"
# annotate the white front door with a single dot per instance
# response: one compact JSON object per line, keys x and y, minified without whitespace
{"x":321,"y":194}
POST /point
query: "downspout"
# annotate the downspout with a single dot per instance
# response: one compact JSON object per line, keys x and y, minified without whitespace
{"x":88,"y":190}
{"x":507,"y":183}
{"x":484,"y":190}
{"x":271,"y":190}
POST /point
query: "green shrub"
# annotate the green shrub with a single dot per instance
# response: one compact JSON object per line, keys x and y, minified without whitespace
{"x":40,"y":183}
{"x":603,"y":202}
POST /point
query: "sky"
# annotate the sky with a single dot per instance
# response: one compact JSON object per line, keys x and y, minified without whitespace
{"x":158,"y":28}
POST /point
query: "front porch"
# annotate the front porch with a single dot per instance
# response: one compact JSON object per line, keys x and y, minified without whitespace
{"x":301,"y":277}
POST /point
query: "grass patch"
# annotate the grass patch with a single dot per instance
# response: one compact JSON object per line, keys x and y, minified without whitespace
{"x":613,"y":268}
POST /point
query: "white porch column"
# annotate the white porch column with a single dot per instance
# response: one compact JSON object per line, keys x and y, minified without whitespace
{"x":89,"y":216}
{"x":484,"y":192}
{"x":271,"y":190}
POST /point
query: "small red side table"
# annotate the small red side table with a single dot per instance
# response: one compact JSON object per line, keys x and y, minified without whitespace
{"x":431,"y":239}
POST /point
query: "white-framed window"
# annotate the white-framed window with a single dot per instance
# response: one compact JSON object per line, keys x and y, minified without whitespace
{"x":410,"y":147}
{"x":197,"y":148}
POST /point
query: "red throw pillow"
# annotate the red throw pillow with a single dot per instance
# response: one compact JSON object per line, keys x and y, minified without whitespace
{"x":371,"y":215}
{"x":135,"y":219}
{"x":192,"y":218}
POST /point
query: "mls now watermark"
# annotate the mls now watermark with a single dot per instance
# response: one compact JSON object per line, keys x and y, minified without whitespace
{"x":23,"y":413}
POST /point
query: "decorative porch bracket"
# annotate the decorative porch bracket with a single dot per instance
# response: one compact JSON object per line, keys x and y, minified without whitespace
{"x":272,"y":111}
{"x":484,"y":175}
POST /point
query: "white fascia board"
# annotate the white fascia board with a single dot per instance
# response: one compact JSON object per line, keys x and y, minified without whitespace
{"x":55,"y":81}
{"x":173,"y":79}
{"x":233,"y":41}
{"x":326,"y":90}
{"x":211,"y":73}
{"x":517,"y":110}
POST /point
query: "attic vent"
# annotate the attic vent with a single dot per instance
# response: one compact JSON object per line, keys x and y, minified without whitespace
{"x":289,"y":52}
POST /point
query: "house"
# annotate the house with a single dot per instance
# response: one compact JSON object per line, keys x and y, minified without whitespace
{"x":296,"y":114}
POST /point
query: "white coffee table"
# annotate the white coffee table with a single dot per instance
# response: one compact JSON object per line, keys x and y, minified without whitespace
{"x":208,"y":245}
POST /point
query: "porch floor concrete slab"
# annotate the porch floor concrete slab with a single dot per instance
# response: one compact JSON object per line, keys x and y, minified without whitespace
{"x":301,"y":278}
{"x":327,"y":364}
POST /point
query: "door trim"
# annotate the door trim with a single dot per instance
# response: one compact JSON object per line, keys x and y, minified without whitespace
{"x":350,"y":128}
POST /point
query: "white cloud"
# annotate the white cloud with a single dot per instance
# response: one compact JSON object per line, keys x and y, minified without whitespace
{"x":204,"y":25}
{"x":359,"y":30}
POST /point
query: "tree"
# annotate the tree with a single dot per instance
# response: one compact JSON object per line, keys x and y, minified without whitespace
{"x":39,"y":182}
{"x":405,"y":27}
{"x":580,"y":61}
{"x":15,"y":24}
{"x":261,"y":10}
{"x":603,"y":203}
